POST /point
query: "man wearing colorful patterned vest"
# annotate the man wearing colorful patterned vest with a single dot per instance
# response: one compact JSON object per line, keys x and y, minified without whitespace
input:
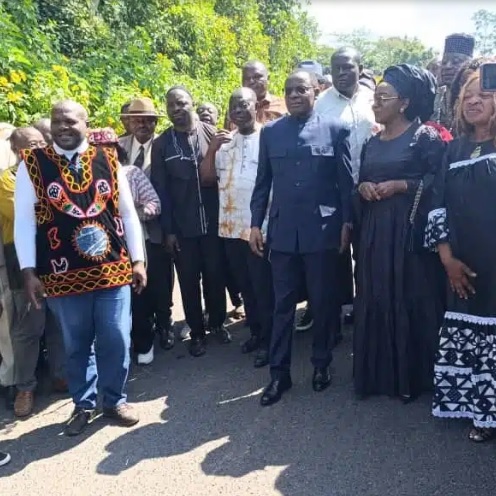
{"x":79,"y":244}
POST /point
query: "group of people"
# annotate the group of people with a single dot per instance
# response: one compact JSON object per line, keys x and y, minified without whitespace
{"x":269,"y":207}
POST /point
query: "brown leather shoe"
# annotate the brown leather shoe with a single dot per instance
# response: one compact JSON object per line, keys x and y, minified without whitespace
{"x":123,"y":414}
{"x":59,"y":385}
{"x":24,"y":403}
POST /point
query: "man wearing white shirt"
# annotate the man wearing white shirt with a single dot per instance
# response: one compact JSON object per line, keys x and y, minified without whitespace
{"x":79,"y":244}
{"x":351,"y":102}
{"x":232,"y":160}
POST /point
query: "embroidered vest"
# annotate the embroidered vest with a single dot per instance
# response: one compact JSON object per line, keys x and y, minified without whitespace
{"x":80,"y":244}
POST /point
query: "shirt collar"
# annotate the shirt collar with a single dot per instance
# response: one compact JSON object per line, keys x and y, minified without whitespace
{"x":70,"y":153}
{"x":359,"y":88}
{"x":145,"y":145}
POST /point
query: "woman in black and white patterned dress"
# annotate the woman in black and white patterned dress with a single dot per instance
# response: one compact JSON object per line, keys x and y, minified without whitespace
{"x":463,"y":229}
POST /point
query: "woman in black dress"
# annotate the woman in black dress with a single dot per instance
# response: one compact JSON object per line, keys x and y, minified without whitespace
{"x":399,"y":303}
{"x":462,"y":226}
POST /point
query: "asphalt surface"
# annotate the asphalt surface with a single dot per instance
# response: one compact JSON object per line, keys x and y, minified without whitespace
{"x":202,"y":432}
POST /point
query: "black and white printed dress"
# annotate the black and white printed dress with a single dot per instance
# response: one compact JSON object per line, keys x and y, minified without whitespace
{"x":465,"y":216}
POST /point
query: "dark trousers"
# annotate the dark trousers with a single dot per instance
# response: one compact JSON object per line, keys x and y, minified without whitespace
{"x":201,"y":257}
{"x":254,"y":278}
{"x":345,"y":277}
{"x":321,"y":276}
{"x":154,"y":304}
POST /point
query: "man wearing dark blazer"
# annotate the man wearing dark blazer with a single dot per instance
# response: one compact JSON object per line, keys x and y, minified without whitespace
{"x":305,"y":161}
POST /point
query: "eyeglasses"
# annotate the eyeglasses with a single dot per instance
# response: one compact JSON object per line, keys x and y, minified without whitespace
{"x":382,"y":98}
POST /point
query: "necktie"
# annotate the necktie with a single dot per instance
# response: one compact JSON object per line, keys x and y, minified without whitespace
{"x":140,"y":158}
{"x":74,"y":166}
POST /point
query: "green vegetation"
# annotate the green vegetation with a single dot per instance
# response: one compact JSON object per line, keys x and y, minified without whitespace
{"x":103,"y":52}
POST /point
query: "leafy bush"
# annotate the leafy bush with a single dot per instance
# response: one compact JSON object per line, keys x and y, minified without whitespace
{"x":104,"y":52}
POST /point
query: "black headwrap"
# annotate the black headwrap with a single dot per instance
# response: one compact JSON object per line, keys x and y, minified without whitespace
{"x":459,"y":43}
{"x":416,"y":84}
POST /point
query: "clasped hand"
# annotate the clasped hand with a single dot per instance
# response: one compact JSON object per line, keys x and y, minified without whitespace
{"x":380,"y":191}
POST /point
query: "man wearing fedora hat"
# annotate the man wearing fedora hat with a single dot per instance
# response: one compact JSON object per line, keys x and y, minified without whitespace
{"x":142,"y":118}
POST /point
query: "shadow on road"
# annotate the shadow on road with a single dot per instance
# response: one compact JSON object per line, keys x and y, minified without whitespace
{"x":327,"y":444}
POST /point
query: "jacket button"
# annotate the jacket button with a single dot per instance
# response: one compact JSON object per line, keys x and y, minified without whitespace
{"x":297,"y":184}
{"x":298,"y":163}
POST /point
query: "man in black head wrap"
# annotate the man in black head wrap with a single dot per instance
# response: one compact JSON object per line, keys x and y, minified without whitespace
{"x":458,"y":49}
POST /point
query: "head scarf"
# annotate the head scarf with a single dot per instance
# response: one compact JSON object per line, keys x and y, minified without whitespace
{"x":416,"y":84}
{"x":460,"y":43}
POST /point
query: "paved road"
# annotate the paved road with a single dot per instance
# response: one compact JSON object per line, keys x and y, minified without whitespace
{"x":204,"y":433}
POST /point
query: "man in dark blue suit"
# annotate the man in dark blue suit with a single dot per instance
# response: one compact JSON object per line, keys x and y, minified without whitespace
{"x":305,"y":161}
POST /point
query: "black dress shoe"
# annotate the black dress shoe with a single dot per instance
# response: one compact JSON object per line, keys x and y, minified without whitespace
{"x":251,"y":345}
{"x":197,"y":347}
{"x":221,"y":334}
{"x":321,"y":379}
{"x":273,"y":392}
{"x":167,"y":339}
{"x":261,"y":358}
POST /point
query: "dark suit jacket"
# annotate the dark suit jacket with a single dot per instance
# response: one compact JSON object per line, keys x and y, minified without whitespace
{"x":306,"y":163}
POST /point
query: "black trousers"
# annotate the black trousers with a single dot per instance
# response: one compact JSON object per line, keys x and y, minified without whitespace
{"x":345,"y":278}
{"x":201,"y":257}
{"x":254,"y":278}
{"x":154,"y":304}
{"x":321,"y":277}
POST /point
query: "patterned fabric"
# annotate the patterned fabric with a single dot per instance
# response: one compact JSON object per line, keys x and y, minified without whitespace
{"x":237,"y":164}
{"x":465,"y":370}
{"x":103,"y":136}
{"x":145,"y":197}
{"x":460,"y":43}
{"x":80,"y":242}
{"x":437,"y":230}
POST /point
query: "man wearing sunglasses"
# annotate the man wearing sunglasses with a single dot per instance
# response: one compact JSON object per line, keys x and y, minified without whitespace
{"x":305,"y":160}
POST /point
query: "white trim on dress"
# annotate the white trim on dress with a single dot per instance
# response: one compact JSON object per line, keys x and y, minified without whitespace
{"x":472,"y":161}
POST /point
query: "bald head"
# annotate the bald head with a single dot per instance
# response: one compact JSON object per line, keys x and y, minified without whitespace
{"x":69,"y":124}
{"x":207,"y":112}
{"x":43,"y":126}
{"x":301,"y":89}
{"x":243,"y":109}
{"x":256,"y":77}
{"x":349,"y":52}
{"x":23,"y":138}
{"x":71,"y":106}
{"x":243,"y":93}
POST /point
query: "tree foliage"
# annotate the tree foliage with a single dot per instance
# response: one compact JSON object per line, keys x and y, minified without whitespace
{"x":104,"y":52}
{"x":485,"y":31}
{"x":378,"y":54}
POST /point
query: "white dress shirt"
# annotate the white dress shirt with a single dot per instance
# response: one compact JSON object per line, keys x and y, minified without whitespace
{"x":135,"y":149}
{"x":25,"y":218}
{"x":236,"y":164}
{"x":356,"y":112}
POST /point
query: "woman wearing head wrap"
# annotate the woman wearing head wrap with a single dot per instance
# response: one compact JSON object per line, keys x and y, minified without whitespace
{"x":399,"y":301}
{"x":461,"y":228}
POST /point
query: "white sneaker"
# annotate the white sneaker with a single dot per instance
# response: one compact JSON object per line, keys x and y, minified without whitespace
{"x":145,"y":358}
{"x":185,"y":332}
{"x":4,"y":459}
